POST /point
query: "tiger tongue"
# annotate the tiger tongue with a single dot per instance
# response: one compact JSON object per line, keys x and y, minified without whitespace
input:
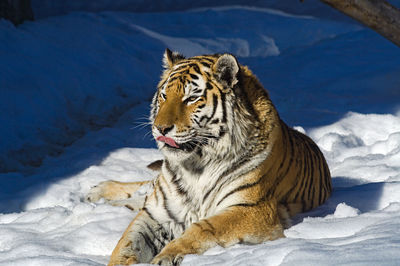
{"x":168,"y":140}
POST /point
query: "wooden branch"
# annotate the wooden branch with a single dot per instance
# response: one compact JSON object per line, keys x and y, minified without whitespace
{"x":379,"y":15}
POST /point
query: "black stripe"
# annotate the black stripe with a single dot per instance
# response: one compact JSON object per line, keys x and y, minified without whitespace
{"x":207,"y":59}
{"x":221,"y":132}
{"x":179,"y":188}
{"x":315,"y":200}
{"x":246,"y":204}
{"x":148,"y":213}
{"x":281,"y":177}
{"x":315,"y":182}
{"x":182,"y":66}
{"x":193,"y":76}
{"x":207,"y":194}
{"x":198,"y":225}
{"x":184,"y":62}
{"x":196,"y":69}
{"x":324,"y":195}
{"x":323,"y":175}
{"x":240,"y":188}
{"x":224,"y":117}
{"x":320,"y":189}
{"x":129,"y":207}
{"x":322,"y":178}
{"x":302,"y":181}
{"x":215,"y":105}
{"x":205,"y":64}
{"x":209,"y":224}
{"x":225,"y":174}
{"x":292,"y":155}
{"x":149,"y":243}
{"x":178,"y":69}
{"x":162,"y":84}
{"x":285,"y":145}
{"x":165,"y":204}
{"x":312,"y":185}
{"x":211,"y":230}
{"x":296,"y":187}
{"x":306,"y":175}
{"x":171,"y":80}
{"x":163,"y":239}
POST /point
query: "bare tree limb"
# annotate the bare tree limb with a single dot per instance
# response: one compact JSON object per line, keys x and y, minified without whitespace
{"x":379,"y":15}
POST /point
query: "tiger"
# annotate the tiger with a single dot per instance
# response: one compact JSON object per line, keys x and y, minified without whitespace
{"x":232,"y":170}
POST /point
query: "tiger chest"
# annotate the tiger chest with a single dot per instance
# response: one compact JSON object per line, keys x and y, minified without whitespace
{"x":187,"y":196}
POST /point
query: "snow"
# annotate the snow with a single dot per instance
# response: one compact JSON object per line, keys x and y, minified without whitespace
{"x":75,"y":93}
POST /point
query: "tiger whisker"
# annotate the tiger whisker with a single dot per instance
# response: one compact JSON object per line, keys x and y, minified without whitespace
{"x":147,"y":134}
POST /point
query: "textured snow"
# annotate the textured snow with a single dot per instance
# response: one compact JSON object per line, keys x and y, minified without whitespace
{"x":78,"y":86}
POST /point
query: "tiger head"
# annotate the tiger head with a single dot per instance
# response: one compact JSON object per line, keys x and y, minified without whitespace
{"x":192,"y":108}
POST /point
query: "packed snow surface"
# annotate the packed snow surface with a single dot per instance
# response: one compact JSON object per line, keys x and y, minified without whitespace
{"x":78,"y":86}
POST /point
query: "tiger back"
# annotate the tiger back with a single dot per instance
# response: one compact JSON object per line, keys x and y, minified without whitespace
{"x":233,"y":171}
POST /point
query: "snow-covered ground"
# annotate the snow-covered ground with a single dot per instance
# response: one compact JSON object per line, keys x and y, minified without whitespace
{"x":74,"y":91}
{"x":359,"y":225}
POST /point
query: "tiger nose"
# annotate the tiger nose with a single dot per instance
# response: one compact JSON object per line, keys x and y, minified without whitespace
{"x":164,"y":129}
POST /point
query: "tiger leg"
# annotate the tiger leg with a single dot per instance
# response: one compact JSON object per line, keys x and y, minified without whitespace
{"x":141,"y":241}
{"x":120,"y":194}
{"x":238,"y":224}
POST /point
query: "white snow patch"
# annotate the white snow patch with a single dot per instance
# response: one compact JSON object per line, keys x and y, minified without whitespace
{"x":363,"y":147}
{"x":343,"y":211}
{"x":300,"y":129}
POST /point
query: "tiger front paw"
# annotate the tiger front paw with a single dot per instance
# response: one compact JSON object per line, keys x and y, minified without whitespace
{"x":167,"y":259}
{"x":109,"y":190}
{"x":95,"y":194}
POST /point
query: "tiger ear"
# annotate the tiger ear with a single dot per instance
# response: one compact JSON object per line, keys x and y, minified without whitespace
{"x":226,"y":69}
{"x":170,"y":58}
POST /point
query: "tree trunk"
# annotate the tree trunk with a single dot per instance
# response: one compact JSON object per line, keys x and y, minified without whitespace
{"x":17,"y":11}
{"x":379,"y":15}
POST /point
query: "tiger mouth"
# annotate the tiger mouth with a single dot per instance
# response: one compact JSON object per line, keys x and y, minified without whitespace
{"x":186,"y":146}
{"x":189,"y":146}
